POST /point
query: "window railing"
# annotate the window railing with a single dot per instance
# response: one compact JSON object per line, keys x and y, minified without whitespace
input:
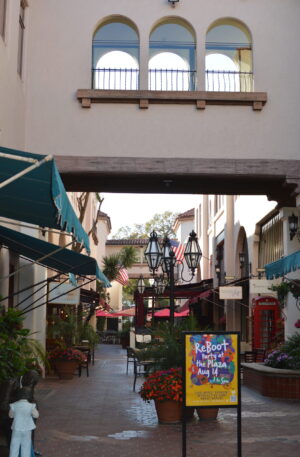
{"x":172,"y":80}
{"x":115,"y":78}
{"x":228,"y":81}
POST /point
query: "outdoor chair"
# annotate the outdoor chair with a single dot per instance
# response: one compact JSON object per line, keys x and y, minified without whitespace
{"x":130,"y":357}
{"x":87,"y":352}
{"x":141,"y":366}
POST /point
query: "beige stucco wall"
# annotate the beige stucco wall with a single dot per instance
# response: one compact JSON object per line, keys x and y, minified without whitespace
{"x":59,"y":59}
{"x":137,"y":269}
{"x":12,"y":86}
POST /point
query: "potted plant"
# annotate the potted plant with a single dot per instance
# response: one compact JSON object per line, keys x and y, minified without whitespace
{"x":166,"y":350}
{"x":165,"y":388}
{"x":20,"y":355}
{"x":66,"y":361}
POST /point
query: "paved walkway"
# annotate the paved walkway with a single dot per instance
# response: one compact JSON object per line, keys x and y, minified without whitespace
{"x":100,"y":416}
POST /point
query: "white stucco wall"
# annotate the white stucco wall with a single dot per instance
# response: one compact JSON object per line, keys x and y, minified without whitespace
{"x":59,"y":59}
{"x":12,"y":86}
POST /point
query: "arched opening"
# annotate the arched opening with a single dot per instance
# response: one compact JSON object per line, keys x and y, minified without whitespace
{"x":116,"y":56}
{"x":168,"y":71}
{"x":117,"y":70}
{"x":172,"y":57}
{"x":228,"y":62}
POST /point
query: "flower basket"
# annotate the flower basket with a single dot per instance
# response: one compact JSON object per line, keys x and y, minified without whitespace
{"x":168,"y":411}
{"x":66,"y":361}
{"x":165,"y":388}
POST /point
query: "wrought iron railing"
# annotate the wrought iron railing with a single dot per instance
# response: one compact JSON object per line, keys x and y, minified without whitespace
{"x":115,"y":78}
{"x":177,"y":80}
{"x":171,"y":80}
{"x":228,"y":81}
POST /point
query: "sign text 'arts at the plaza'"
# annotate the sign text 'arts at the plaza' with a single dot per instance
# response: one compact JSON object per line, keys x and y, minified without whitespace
{"x":211,"y":369}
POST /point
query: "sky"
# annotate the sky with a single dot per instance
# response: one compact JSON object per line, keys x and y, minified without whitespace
{"x":129,"y":209}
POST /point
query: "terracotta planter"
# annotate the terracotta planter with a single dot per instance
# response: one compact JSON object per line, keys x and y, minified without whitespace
{"x":207,"y":413}
{"x":168,"y":411}
{"x":66,"y":368}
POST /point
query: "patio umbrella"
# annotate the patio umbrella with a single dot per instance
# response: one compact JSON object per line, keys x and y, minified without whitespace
{"x":166,"y":313}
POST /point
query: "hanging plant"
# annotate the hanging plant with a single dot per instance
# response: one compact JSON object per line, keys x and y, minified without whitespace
{"x":282,"y":290}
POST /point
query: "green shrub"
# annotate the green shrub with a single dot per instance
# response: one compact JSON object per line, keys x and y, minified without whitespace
{"x":18,"y":352}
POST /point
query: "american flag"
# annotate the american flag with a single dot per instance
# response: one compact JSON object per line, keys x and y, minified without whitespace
{"x":122,"y":277}
{"x":178,"y":249}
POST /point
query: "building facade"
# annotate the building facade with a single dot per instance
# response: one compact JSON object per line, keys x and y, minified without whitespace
{"x":187,"y":97}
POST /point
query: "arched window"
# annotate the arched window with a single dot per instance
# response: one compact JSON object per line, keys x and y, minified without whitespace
{"x":116,"y":56}
{"x":172,"y":56}
{"x":228,"y":61}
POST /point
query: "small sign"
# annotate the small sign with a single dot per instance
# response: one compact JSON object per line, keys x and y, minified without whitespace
{"x":262,"y":286}
{"x":63,"y":294}
{"x":230,"y":293}
{"x":211,"y":369}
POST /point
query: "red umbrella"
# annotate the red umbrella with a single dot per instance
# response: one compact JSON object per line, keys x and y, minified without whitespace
{"x":166,"y":313}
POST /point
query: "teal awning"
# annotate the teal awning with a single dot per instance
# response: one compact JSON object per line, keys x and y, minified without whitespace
{"x":50,"y":255}
{"x":283,"y":266}
{"x":38,"y":196}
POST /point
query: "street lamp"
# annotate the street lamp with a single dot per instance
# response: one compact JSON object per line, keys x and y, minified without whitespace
{"x":159,"y":285}
{"x":141,"y":285}
{"x":158,"y":288}
{"x":153,"y":252}
{"x":166,"y":258}
{"x":192,"y":253}
{"x":293,"y":227}
{"x":169,"y":262}
{"x":242,"y":260}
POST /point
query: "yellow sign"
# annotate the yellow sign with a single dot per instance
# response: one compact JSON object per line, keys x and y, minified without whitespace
{"x":211,"y":377}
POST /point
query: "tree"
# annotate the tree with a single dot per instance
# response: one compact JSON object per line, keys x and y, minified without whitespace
{"x":112,"y":263}
{"x":161,"y":223}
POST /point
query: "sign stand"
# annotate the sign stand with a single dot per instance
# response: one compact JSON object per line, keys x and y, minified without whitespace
{"x":211,"y":376}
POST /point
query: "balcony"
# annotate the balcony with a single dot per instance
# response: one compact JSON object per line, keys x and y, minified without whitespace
{"x":171,"y":86}
{"x":228,"y":81}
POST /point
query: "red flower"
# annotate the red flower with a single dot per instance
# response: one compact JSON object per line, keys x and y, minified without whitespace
{"x":163,"y":385}
{"x":67,"y":354}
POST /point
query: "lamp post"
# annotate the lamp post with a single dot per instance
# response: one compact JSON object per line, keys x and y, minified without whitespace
{"x":141,"y":285}
{"x":158,"y":288}
{"x":164,"y":256}
{"x":169,"y":262}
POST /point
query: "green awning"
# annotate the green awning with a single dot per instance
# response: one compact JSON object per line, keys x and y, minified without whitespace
{"x":50,"y":255}
{"x":37,"y":196}
{"x":283,"y":266}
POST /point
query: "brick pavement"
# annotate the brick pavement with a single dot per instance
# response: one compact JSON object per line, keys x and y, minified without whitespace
{"x":100,"y":416}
